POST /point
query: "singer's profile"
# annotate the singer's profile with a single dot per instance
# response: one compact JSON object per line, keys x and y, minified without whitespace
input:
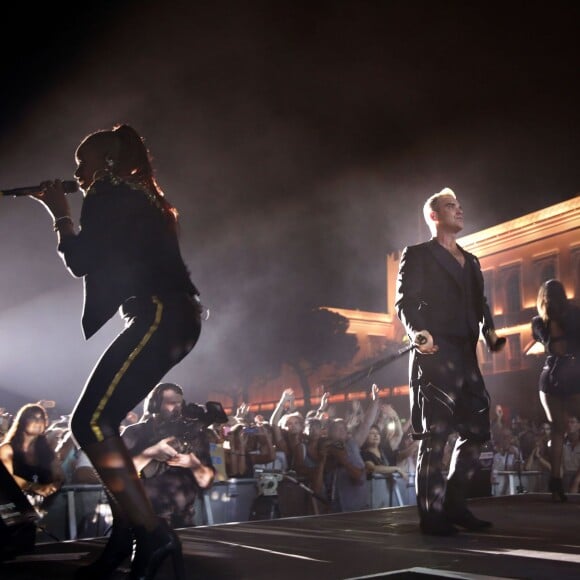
{"x":127,"y":253}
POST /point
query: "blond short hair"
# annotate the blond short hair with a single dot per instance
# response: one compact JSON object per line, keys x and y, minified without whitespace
{"x":432,"y":204}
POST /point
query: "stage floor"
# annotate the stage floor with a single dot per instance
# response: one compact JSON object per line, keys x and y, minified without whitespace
{"x":531,"y":538}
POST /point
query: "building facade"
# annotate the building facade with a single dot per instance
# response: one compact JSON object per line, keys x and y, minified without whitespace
{"x":516,"y":257}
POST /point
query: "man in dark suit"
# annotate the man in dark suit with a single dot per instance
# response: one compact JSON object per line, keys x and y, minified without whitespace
{"x":440,"y":300}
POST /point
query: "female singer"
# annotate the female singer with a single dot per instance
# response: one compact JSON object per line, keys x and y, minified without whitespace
{"x":557,"y":327}
{"x":127,"y":252}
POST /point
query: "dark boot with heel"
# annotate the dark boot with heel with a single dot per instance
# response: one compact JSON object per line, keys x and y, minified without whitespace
{"x":436,"y":525}
{"x":118,"y":549}
{"x":152,"y":550}
{"x":465,"y":519}
{"x":456,"y":510}
{"x":115,"y":467}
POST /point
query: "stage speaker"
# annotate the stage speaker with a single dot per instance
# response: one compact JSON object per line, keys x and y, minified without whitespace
{"x":17,"y":519}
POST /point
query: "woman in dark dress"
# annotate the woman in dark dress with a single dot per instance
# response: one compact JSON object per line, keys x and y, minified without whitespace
{"x":557,"y":327}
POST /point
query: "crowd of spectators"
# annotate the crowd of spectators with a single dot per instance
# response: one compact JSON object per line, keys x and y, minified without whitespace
{"x":331,"y":450}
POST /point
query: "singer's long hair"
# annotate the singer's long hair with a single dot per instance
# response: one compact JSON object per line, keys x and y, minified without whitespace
{"x":131,"y":160}
{"x":552,"y":302}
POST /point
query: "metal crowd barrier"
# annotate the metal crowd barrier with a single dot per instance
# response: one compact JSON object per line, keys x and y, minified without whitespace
{"x":228,"y":501}
{"x":82,"y":510}
{"x":76,"y":511}
{"x":391,"y":491}
{"x":513,"y":482}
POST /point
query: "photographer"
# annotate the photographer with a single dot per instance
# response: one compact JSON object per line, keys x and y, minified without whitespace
{"x":171,"y":453}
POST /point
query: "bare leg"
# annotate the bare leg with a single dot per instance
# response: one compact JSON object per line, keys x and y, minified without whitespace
{"x":555,"y":410}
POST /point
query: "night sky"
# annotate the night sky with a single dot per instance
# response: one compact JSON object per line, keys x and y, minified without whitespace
{"x":298,"y":141}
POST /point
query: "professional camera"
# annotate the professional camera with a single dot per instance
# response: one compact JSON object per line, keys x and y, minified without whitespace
{"x":193,"y":420}
{"x":268,"y":481}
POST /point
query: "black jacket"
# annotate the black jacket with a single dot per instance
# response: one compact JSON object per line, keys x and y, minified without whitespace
{"x":430,"y":293}
{"x":124,"y":248}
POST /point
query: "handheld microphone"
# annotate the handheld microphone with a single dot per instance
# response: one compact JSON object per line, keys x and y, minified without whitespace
{"x":499,"y":344}
{"x":69,"y":187}
{"x":419,"y":340}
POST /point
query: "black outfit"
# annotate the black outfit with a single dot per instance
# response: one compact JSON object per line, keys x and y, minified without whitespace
{"x":128,"y":255}
{"x":172,"y":490}
{"x":372,"y":458}
{"x":560,"y":375}
{"x":34,"y":473}
{"x":39,"y":472}
{"x":447,"y":392}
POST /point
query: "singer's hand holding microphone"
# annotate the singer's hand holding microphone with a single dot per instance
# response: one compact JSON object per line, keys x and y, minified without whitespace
{"x":52,"y":195}
{"x":423,"y":341}
{"x":496,"y":343}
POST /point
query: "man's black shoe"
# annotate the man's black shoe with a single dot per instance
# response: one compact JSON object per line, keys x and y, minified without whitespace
{"x":437,"y":526}
{"x":467,"y":520}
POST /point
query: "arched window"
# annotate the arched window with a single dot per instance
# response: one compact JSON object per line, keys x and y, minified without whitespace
{"x":545,"y":268}
{"x":548,"y":272}
{"x":515,"y":351}
{"x":513,"y":291}
{"x":488,"y":287}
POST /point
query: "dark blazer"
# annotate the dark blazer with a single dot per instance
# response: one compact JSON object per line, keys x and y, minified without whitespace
{"x":123,"y":249}
{"x":429,"y":292}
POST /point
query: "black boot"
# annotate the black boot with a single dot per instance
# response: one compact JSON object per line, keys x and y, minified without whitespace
{"x":129,"y":501}
{"x":118,"y":549}
{"x":455,"y":506}
{"x":557,"y":490}
{"x":436,"y":525}
{"x":152,"y":548}
{"x":465,"y":519}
